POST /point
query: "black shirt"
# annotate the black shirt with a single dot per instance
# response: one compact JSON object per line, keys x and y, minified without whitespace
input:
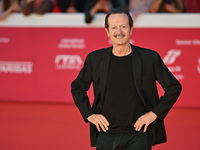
{"x":122,"y":105}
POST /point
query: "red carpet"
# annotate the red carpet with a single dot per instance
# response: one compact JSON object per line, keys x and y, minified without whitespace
{"x":25,"y":126}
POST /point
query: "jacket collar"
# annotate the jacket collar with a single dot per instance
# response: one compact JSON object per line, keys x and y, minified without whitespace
{"x":137,"y":73}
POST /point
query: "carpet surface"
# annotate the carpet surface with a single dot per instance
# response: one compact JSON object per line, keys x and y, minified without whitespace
{"x":29,"y":126}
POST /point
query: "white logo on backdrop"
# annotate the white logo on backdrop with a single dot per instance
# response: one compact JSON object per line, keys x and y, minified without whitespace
{"x":68,"y":62}
{"x":4,"y":40}
{"x":194,"y":42}
{"x":72,"y":43}
{"x":17,"y":67}
{"x":170,"y":59}
{"x":198,"y":67}
{"x":171,"y":56}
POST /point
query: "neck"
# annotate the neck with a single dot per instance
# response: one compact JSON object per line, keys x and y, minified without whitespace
{"x":121,"y":50}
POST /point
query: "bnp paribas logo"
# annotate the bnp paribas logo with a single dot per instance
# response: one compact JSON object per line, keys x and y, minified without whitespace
{"x":16,"y":67}
{"x":170,"y":60}
{"x":71,"y":62}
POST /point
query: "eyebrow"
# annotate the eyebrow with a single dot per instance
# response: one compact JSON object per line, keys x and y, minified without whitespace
{"x":120,"y":25}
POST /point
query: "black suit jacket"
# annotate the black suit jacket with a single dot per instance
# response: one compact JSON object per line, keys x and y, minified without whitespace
{"x":148,"y":68}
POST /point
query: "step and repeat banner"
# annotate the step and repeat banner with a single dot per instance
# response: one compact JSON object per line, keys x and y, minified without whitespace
{"x":38,"y":64}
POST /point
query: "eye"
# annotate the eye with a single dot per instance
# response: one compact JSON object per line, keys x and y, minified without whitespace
{"x":113,"y":28}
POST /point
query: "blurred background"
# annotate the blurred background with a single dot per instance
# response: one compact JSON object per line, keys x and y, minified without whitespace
{"x":43,"y":45}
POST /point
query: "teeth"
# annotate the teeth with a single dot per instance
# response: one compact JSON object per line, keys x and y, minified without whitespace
{"x":120,"y":36}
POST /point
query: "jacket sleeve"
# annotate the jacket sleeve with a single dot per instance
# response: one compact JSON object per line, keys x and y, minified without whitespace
{"x":79,"y":88}
{"x":170,"y":85}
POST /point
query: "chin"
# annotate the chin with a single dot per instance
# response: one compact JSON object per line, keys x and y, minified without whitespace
{"x":121,"y":43}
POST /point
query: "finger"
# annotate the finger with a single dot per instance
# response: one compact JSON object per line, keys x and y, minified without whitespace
{"x":103,"y":127}
{"x":138,"y":128}
{"x":100,"y":121}
{"x":105,"y":120}
{"x":99,"y":125}
{"x":140,"y":123}
{"x":98,"y":128}
{"x":137,"y":124}
{"x":102,"y":124}
{"x":145,"y":127}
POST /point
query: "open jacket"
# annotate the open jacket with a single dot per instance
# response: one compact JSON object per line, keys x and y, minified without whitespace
{"x":148,"y":68}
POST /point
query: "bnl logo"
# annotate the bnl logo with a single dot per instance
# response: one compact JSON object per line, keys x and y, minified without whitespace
{"x":68,"y":61}
{"x":171,"y":56}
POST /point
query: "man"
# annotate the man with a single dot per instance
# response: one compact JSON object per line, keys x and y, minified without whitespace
{"x":127,"y":112}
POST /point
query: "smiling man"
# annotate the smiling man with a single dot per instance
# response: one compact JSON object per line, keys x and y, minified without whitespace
{"x":127,"y":112}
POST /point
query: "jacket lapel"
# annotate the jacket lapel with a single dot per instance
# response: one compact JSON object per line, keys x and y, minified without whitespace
{"x":137,"y":74}
{"x":103,"y":74}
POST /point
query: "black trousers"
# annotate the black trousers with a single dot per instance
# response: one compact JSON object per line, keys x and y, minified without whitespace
{"x":137,"y":141}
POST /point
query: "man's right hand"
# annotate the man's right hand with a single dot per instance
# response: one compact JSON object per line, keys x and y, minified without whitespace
{"x":99,"y":121}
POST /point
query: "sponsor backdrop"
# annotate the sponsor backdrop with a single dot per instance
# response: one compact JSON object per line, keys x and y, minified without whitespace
{"x":38,"y":63}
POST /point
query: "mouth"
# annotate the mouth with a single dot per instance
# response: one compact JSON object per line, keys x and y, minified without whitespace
{"x":119,"y":36}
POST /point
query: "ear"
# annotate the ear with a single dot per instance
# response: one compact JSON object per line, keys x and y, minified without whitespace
{"x":107,"y":31}
{"x":131,"y":31}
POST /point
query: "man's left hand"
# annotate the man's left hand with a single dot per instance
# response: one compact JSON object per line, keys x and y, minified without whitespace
{"x":146,"y":120}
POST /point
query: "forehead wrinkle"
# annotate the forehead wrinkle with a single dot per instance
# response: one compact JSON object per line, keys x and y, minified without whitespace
{"x":118,"y":19}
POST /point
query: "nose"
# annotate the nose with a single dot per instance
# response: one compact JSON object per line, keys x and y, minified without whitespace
{"x":119,"y":30}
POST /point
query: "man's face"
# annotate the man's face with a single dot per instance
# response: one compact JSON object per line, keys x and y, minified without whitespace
{"x":119,"y":29}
